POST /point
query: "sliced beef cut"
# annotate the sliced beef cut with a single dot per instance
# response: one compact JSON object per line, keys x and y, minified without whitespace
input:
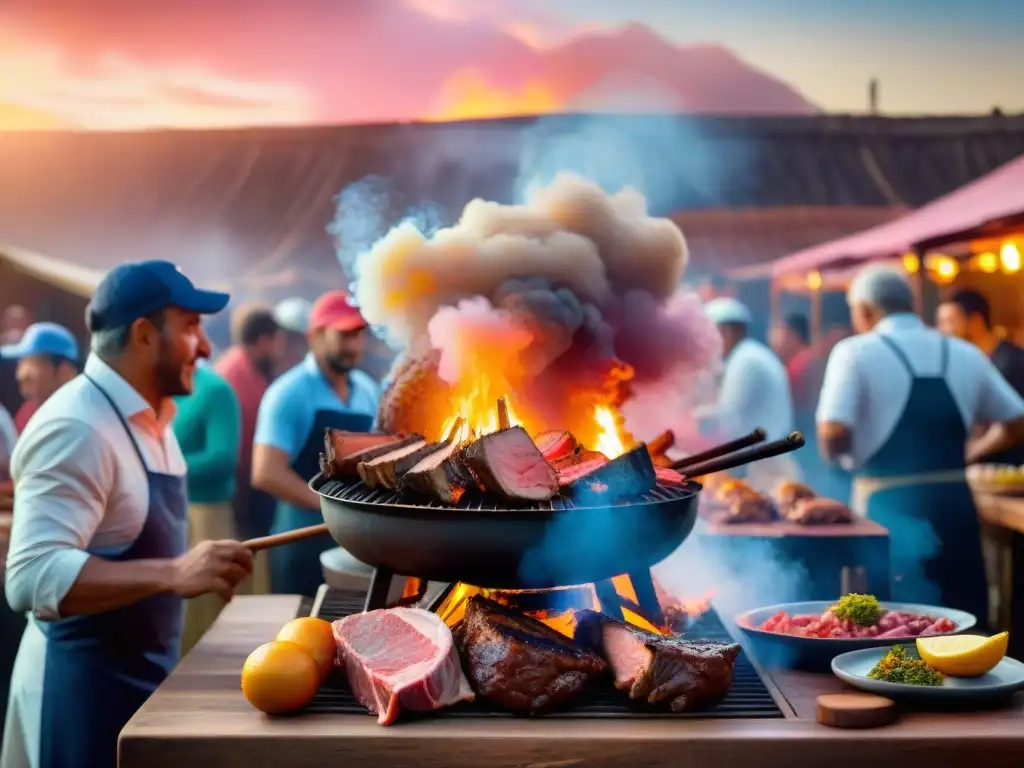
{"x":509,"y":464}
{"x":441,"y":475}
{"x":520,"y":663}
{"x":345,"y":451}
{"x":372,"y":472}
{"x":668,"y":476}
{"x":556,"y":445}
{"x":569,"y":473}
{"x":684,"y":674}
{"x":391,"y":471}
{"x":400,"y":658}
{"x":626,"y":477}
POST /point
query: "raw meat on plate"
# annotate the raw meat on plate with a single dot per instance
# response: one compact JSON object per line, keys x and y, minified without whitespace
{"x":400,"y":658}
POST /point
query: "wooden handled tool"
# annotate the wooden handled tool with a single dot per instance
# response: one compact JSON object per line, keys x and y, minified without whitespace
{"x":288,"y":537}
{"x":683,"y":465}
{"x":747,"y":456}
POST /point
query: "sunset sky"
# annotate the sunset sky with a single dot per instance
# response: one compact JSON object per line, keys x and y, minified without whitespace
{"x":123,"y":64}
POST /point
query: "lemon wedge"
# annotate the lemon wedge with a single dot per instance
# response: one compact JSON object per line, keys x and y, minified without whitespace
{"x":963,"y":655}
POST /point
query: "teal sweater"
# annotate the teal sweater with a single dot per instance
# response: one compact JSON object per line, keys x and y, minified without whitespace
{"x":208,"y":426}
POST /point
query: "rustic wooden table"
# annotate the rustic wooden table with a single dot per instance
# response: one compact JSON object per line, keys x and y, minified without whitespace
{"x":1004,"y":518}
{"x":199,"y":717}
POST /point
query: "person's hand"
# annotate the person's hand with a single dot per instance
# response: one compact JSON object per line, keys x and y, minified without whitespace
{"x":212,"y":566}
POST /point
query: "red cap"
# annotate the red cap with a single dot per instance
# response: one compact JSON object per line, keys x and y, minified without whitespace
{"x":333,"y":310}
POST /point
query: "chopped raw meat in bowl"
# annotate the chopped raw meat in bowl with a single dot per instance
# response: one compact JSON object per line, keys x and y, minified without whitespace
{"x":810,"y":634}
{"x":892,"y":624}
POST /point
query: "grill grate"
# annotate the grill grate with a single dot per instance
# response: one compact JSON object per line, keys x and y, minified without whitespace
{"x":357,"y":491}
{"x":748,"y":697}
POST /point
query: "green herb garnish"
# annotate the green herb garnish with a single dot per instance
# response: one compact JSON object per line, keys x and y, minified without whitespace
{"x":862,"y":610}
{"x":897,"y":667}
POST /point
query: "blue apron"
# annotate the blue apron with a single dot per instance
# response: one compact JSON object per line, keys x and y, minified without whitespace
{"x":934,"y":534}
{"x":295,"y":568}
{"x":101,"y":668}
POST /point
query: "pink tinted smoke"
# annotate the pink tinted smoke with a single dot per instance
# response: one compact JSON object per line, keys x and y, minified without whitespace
{"x":473,"y":332}
{"x":664,"y":340}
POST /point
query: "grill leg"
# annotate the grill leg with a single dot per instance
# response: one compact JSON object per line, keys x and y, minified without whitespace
{"x":608,"y":599}
{"x":380,"y":585}
{"x":440,"y":597}
{"x":647,"y":597}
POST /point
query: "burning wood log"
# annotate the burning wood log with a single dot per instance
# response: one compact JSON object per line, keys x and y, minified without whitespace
{"x":503,"y":420}
{"x":453,"y":433}
{"x":661,"y":444}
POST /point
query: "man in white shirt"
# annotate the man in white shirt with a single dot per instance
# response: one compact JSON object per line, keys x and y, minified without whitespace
{"x":98,"y":546}
{"x":897,"y":405}
{"x":754,"y":392}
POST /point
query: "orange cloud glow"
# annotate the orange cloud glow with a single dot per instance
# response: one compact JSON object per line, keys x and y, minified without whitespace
{"x":38,"y":90}
{"x":468,"y":95}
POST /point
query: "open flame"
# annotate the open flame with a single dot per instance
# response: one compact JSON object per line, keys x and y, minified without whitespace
{"x":562,"y":620}
{"x":474,"y":414}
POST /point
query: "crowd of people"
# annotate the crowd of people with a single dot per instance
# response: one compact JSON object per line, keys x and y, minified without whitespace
{"x":118,"y":563}
{"x":895,"y":412}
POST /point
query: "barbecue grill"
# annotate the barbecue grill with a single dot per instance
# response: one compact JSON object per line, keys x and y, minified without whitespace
{"x":482,"y":541}
{"x":748,"y":697}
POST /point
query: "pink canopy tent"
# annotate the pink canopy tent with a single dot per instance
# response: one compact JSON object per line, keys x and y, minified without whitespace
{"x":990,"y":200}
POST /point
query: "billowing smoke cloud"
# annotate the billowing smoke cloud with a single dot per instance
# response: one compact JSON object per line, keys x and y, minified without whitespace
{"x":565,"y":293}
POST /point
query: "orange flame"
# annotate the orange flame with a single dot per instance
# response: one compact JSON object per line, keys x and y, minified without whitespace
{"x":453,"y":608}
{"x":467,"y":95}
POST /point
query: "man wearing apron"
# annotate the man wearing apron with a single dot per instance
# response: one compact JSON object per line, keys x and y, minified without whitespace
{"x":897,"y":405}
{"x":324,"y":390}
{"x":98,"y":547}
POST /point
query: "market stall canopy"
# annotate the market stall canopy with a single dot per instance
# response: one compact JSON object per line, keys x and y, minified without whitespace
{"x":995,"y":197}
{"x":81,"y":281}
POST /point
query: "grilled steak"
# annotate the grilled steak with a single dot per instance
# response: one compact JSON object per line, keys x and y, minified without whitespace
{"x":818,"y":511}
{"x":556,"y":445}
{"x":345,"y":451}
{"x":400,"y":658}
{"x":628,"y":476}
{"x":682,"y":673}
{"x":520,"y":663}
{"x":441,"y":475}
{"x":509,"y":464}
{"x":373,"y":472}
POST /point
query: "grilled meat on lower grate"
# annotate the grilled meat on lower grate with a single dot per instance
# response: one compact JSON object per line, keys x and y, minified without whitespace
{"x":521,"y":663}
{"x":682,"y":673}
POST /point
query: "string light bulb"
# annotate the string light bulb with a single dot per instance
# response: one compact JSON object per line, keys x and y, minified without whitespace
{"x":814,"y":280}
{"x":911,"y":263}
{"x":988,"y":262}
{"x":1009,"y":257}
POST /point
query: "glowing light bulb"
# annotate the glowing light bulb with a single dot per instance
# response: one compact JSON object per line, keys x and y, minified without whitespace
{"x":1009,"y":256}
{"x":911,"y":263}
{"x":988,"y":262}
{"x":814,"y":280}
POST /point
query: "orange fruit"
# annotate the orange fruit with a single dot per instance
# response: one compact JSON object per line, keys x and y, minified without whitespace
{"x":316,"y":636}
{"x":279,"y":677}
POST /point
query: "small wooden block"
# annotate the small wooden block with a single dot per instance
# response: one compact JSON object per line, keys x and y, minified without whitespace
{"x":856,"y":710}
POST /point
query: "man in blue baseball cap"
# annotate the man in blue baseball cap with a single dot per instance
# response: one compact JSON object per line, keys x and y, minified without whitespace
{"x":98,"y":553}
{"x":47,"y":356}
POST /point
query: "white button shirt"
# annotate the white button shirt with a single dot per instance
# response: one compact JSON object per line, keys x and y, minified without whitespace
{"x":754,"y":392}
{"x":78,"y":485}
{"x":866,"y":387}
